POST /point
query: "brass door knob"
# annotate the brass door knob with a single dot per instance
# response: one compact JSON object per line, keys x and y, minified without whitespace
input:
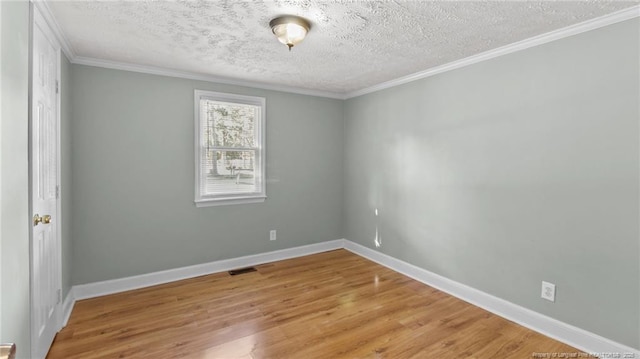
{"x":46,"y":219}
{"x":7,"y":351}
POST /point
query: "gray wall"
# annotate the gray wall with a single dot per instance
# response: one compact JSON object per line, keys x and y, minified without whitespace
{"x":133,"y":176}
{"x":14,"y":209}
{"x":65,"y":186}
{"x":512,"y":171}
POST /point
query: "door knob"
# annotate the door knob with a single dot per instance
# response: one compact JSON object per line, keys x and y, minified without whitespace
{"x":7,"y":351}
{"x":46,"y":219}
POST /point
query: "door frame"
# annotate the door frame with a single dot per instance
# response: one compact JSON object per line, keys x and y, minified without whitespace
{"x":37,"y":18}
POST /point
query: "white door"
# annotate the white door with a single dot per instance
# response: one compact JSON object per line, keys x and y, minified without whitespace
{"x":45,"y":248}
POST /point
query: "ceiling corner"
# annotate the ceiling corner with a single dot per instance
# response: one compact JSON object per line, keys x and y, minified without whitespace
{"x":45,"y":10}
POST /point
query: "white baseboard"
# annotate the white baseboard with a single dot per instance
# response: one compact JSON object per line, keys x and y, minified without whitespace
{"x":91,"y":290}
{"x":573,"y":336}
{"x":67,"y":307}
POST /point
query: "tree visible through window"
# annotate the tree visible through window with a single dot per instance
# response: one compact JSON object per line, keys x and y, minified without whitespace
{"x":230,"y":151}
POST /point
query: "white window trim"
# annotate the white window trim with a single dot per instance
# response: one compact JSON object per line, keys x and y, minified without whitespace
{"x":235,"y":198}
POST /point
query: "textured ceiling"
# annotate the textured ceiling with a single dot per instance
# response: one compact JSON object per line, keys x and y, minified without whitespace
{"x":352,"y":44}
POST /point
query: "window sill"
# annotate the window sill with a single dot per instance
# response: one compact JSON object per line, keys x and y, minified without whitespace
{"x":228,"y":201}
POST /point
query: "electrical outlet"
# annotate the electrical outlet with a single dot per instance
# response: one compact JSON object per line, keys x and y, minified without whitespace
{"x":272,"y":235}
{"x":548,"y":291}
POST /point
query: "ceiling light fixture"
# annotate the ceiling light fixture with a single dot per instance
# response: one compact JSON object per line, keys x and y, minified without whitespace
{"x":290,"y":30}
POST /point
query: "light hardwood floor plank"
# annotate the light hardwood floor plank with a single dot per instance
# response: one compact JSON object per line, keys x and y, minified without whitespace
{"x":328,"y":305}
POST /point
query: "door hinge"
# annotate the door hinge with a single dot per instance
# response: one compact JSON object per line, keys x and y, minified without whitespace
{"x":57,"y":191}
{"x":57,"y":86}
{"x":59,"y":295}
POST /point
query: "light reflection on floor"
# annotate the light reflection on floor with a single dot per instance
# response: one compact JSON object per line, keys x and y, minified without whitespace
{"x":239,"y":348}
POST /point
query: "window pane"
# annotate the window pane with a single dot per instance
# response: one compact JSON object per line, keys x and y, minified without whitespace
{"x":230,"y":148}
{"x":229,"y":172}
{"x":229,"y":124}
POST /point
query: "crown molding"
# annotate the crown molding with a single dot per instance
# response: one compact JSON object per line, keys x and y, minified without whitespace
{"x":45,"y":10}
{"x":153,"y":70}
{"x":568,"y":31}
{"x":575,"y":29}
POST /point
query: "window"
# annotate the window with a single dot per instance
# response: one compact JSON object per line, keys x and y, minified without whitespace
{"x":230,"y":151}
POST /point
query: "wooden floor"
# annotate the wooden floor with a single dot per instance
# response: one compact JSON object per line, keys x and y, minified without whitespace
{"x":329,"y":305}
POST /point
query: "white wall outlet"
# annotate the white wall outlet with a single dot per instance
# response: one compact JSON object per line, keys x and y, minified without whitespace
{"x":548,"y":291}
{"x":272,"y":235}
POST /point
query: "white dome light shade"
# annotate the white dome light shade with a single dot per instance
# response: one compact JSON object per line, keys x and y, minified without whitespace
{"x":290,"y":30}
{"x":290,"y":34}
